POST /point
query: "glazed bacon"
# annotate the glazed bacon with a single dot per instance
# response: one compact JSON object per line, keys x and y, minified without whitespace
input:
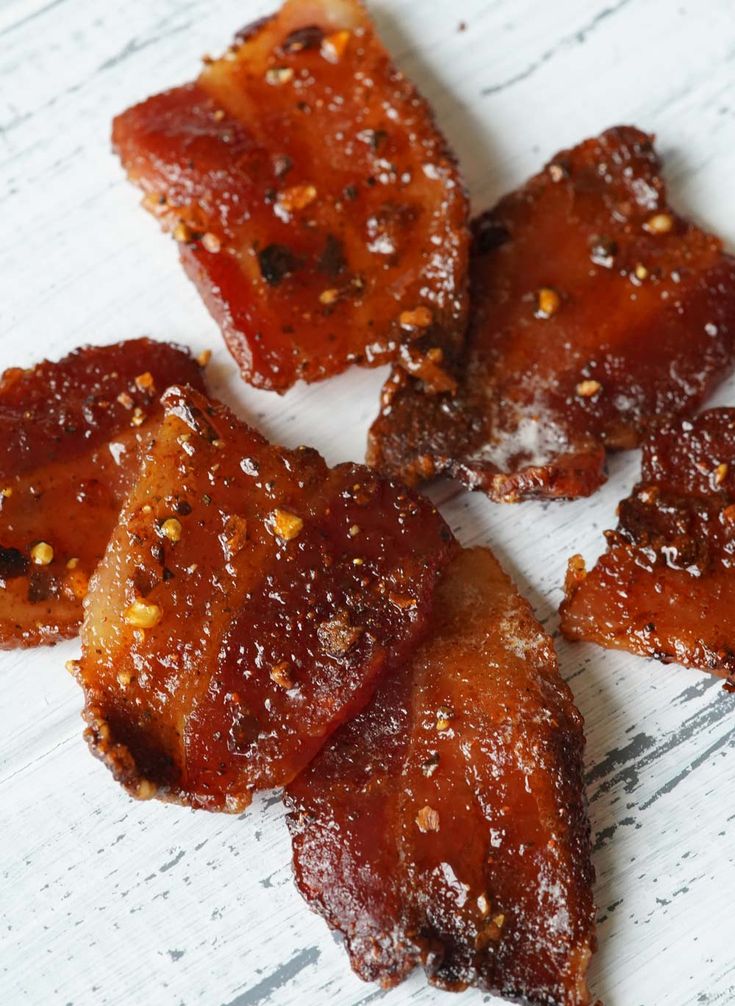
{"x":446,"y":825}
{"x":596,"y":312}
{"x":665,"y":586}
{"x":70,"y":441}
{"x":317,"y":208}
{"x":247,"y":604}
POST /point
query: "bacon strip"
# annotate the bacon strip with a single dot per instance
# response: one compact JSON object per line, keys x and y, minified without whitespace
{"x":71,"y":435}
{"x":317,"y":207}
{"x":665,"y":586}
{"x":597,"y":312}
{"x":248,"y":603}
{"x":446,"y":826}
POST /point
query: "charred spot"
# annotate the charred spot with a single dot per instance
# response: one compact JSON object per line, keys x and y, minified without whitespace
{"x":488,"y":235}
{"x":332,"y":260}
{"x":167,"y":574}
{"x":350,"y":192}
{"x":183,"y":508}
{"x":310,"y":37}
{"x":12,"y":564}
{"x":276,"y":262}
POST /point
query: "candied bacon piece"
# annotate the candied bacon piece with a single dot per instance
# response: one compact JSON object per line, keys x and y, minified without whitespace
{"x":71,"y":434}
{"x":446,"y":825}
{"x":318,"y":209}
{"x":665,"y":586}
{"x":247,"y":604}
{"x":596,"y":312}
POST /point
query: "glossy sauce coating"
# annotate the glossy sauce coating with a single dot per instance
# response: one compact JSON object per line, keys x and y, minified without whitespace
{"x":596,"y":312}
{"x":70,"y":441}
{"x":665,"y":587}
{"x":316,"y":206}
{"x":446,"y":825}
{"x":248,"y":603}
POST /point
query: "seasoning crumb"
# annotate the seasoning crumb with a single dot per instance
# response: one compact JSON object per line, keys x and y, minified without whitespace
{"x":125,"y":400}
{"x":328,"y":297}
{"x":279,"y":674}
{"x":211,"y":242}
{"x":124,"y":677}
{"x":145,"y":382}
{"x":204,"y":357}
{"x":286,"y":525}
{"x":728,"y":514}
{"x":333,"y":46}
{"x":641,"y":272}
{"x":171,"y":529}
{"x":42,"y":553}
{"x":277,"y":75}
{"x":297,"y":197}
{"x":548,"y":302}
{"x":234,"y":536}
{"x":444,"y":716}
{"x":483,"y":904}
{"x":142,"y":615}
{"x":354,"y":531}
{"x":138,"y":417}
{"x":146,"y":789}
{"x":588,"y":388}
{"x":427,"y":819}
{"x":72,"y":666}
{"x":420,"y":317}
{"x":720,"y":473}
{"x":659,"y":223}
{"x":182,"y":232}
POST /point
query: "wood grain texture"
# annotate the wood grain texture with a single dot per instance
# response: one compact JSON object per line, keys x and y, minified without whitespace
{"x":106,"y":901}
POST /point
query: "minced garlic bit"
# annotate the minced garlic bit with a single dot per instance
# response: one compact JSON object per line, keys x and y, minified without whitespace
{"x":328,"y":296}
{"x":427,"y":819}
{"x":548,"y":302}
{"x":641,"y":272}
{"x":124,"y":677}
{"x":333,"y":46}
{"x":142,"y":615}
{"x":204,"y":357}
{"x":72,"y":666}
{"x":720,"y":473}
{"x":125,"y":400}
{"x":42,"y":553}
{"x":354,"y":531}
{"x":171,"y":529}
{"x":218,"y":115}
{"x":443,"y":718}
{"x":298,"y":197}
{"x":420,"y":317}
{"x":279,"y":674}
{"x":277,"y":75}
{"x":6,"y":493}
{"x":145,"y":382}
{"x":182,"y":232}
{"x":659,"y":223}
{"x":211,"y":242}
{"x":286,"y":525}
{"x":72,"y":563}
{"x":358,"y":562}
{"x":588,"y":388}
{"x":557,"y":172}
{"x":499,"y":920}
{"x":146,"y":789}
{"x":138,"y":417}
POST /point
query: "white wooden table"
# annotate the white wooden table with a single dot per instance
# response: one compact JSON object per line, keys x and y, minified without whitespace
{"x":107,"y":901}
